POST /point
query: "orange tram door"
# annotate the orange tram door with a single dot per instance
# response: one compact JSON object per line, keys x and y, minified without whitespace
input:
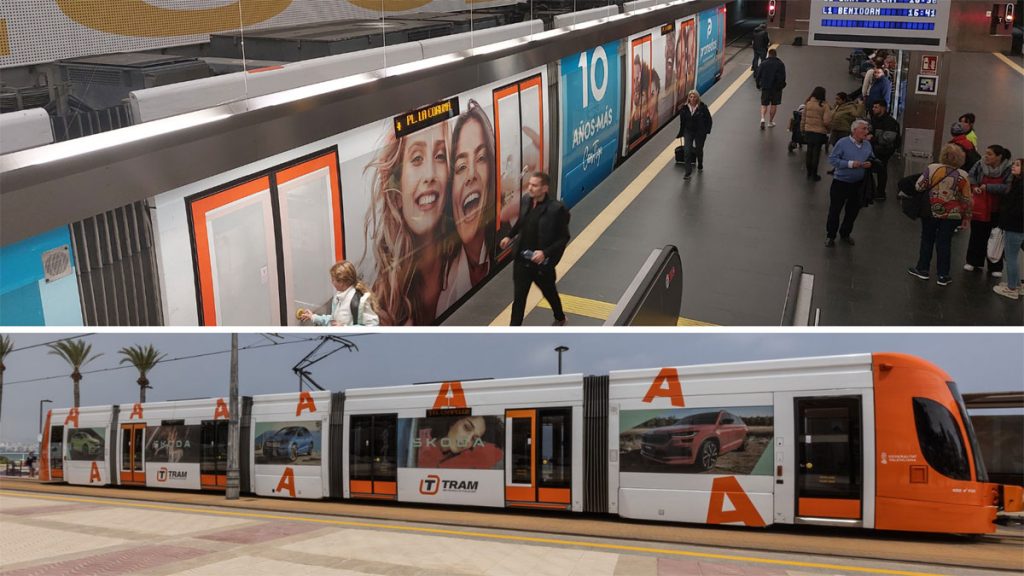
{"x":538,"y":458}
{"x":373,"y":456}
{"x":830,"y":459}
{"x":133,"y":465}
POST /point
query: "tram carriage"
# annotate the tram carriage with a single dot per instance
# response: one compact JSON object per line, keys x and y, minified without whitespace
{"x":874,"y":441}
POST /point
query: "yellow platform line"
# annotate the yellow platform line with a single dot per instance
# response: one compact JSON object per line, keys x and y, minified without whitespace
{"x":589,"y":236}
{"x":1009,"y":62}
{"x":581,"y":306}
{"x":472,"y":534}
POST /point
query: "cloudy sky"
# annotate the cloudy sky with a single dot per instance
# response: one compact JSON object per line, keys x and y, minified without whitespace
{"x":978,"y":362}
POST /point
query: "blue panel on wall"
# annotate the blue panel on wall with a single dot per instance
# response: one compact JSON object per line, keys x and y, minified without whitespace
{"x":21,"y":263}
{"x":21,"y":307}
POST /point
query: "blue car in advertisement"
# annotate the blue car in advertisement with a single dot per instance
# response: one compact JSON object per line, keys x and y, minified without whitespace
{"x":290,"y":442}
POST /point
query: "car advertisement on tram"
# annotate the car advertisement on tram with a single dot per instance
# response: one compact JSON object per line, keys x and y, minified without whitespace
{"x":589,"y":136}
{"x":735,"y":440}
{"x":293,"y":443}
{"x":710,"y":47}
{"x":650,"y":84}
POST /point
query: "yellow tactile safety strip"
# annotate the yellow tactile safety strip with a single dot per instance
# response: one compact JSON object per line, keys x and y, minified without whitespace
{"x":1009,"y":62}
{"x":579,"y":246}
{"x":5,"y":44}
{"x":601,"y":310}
{"x":481,"y":535}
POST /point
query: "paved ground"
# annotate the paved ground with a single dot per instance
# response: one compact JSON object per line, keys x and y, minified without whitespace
{"x":53,"y":533}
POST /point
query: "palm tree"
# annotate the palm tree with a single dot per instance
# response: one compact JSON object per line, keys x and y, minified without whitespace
{"x":76,"y":353}
{"x":6,"y":345}
{"x":144,"y":359}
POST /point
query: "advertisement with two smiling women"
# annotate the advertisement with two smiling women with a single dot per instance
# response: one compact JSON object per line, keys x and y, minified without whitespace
{"x":436,"y":198}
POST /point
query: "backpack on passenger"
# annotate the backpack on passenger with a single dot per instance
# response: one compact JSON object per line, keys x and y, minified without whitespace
{"x":354,"y":307}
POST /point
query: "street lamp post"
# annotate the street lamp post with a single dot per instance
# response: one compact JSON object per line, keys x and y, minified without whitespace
{"x":560,"y":349}
{"x":233,"y":480}
{"x":41,"y":402}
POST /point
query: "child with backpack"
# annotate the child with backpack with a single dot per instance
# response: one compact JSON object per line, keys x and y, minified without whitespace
{"x":352,"y":304}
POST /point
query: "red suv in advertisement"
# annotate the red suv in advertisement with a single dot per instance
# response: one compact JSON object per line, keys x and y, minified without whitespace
{"x":696,"y":439}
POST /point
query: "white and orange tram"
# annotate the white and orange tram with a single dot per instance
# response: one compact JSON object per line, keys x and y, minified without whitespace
{"x":877,"y":441}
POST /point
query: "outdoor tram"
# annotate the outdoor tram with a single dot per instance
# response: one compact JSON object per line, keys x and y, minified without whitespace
{"x":877,"y":441}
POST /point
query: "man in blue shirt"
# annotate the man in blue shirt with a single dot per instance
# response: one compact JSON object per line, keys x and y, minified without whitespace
{"x":850,"y":158}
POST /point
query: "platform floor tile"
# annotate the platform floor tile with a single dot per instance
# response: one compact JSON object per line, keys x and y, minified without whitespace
{"x":150,"y":521}
{"x":259,"y":566}
{"x":24,"y":543}
{"x":460,"y":554}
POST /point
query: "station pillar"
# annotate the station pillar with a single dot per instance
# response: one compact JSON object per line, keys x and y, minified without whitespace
{"x":924,"y":109}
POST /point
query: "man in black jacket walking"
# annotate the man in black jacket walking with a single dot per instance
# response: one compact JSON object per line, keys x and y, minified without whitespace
{"x":760,"y":44}
{"x":771,"y":77}
{"x":694,"y":127}
{"x":541,"y":235}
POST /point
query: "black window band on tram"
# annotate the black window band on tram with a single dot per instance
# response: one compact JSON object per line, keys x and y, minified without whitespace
{"x":980,"y":472}
{"x":940,"y":440}
{"x":873,"y":39}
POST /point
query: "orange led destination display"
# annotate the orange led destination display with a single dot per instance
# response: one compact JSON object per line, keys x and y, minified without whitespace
{"x":426,"y":116}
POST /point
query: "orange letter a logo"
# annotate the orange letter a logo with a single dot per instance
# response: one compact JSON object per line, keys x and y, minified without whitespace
{"x":667,"y":385}
{"x":287,"y":482}
{"x":136,"y":411}
{"x":744,"y":510}
{"x":450,"y":396}
{"x":221,"y":411}
{"x":94,"y":474}
{"x":305,"y":403}
{"x":72,"y":417}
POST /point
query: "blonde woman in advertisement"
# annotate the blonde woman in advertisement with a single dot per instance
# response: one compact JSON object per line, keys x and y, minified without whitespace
{"x":471,"y":203}
{"x":406,"y":225}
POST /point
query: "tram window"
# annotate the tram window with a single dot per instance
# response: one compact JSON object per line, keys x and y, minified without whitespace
{"x":361,"y":450}
{"x":556,"y":449}
{"x":940,"y":439}
{"x":56,"y":447}
{"x":372,"y":454}
{"x":980,"y":472}
{"x":521,"y":441}
{"x":385,"y":460}
{"x":214,"y":438}
{"x":126,"y":449}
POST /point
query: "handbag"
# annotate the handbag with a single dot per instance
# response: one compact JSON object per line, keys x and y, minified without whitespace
{"x":996,"y":245}
{"x":917,"y":204}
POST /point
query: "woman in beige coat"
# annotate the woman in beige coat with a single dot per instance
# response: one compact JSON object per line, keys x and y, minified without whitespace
{"x":814,"y":125}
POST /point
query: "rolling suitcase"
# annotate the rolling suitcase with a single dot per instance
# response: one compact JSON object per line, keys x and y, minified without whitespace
{"x":680,"y":153}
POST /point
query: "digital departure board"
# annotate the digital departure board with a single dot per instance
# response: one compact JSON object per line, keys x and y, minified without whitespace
{"x":907,"y":24}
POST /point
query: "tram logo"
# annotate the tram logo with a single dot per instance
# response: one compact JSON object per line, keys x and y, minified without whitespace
{"x":163,"y":475}
{"x":430,"y":485}
{"x":433,"y":484}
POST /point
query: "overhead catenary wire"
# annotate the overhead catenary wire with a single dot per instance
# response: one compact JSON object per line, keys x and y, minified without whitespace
{"x":166,"y":360}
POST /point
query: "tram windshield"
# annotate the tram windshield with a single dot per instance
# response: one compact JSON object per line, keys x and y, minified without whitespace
{"x":979,"y":463}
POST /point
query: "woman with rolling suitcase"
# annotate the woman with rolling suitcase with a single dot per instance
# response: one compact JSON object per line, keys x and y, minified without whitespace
{"x":694,"y":127}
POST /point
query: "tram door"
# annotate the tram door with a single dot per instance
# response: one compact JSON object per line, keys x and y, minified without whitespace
{"x":538,"y":458}
{"x":830,"y":458}
{"x":56,"y":452}
{"x":373,"y":458}
{"x":133,"y":466}
{"x":213,"y":463}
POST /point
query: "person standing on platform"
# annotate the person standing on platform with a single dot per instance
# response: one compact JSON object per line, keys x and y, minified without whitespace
{"x":694,"y":127}
{"x":971,"y":156}
{"x":771,"y":77}
{"x":949,"y":201}
{"x":1011,"y":220}
{"x":541,"y":235}
{"x":760,"y":44}
{"x":814,"y":126}
{"x":967,"y":121}
{"x":885,"y":140}
{"x":881,"y":89}
{"x":845,"y":113}
{"x":990,"y":180}
{"x":850,"y":158}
